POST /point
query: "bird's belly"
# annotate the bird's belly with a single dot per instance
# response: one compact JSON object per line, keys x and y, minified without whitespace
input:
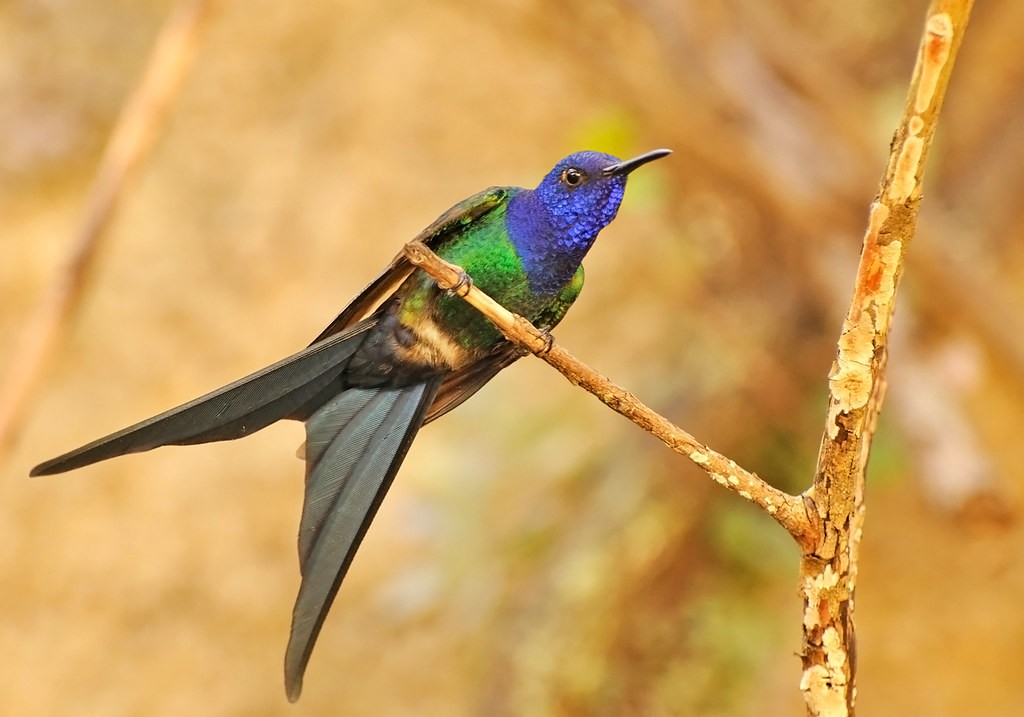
{"x":437,"y":346}
{"x":401,"y":352}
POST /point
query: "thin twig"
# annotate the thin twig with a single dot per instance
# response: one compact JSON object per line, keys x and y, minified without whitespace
{"x":138,"y":125}
{"x":788,"y":510}
{"x":857,"y":382}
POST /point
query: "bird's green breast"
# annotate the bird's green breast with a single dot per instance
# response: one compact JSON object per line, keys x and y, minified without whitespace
{"x":485,"y":251}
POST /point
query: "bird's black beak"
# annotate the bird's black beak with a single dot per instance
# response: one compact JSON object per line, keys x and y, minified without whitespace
{"x":629,"y":165}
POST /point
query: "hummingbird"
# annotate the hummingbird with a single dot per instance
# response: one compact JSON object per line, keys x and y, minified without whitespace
{"x":402,"y":353}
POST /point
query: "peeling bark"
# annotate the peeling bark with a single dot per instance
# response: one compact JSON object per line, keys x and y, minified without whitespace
{"x":857,"y":380}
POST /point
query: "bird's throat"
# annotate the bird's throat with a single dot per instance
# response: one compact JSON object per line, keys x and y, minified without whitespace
{"x":549,"y":249}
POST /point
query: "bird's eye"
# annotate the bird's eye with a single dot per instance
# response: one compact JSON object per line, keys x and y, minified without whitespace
{"x":573,"y":177}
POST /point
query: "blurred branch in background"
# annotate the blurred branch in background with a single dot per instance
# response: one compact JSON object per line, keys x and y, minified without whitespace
{"x":139,"y":124}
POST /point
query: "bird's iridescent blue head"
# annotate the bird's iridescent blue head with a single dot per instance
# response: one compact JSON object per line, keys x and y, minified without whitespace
{"x":554,"y":225}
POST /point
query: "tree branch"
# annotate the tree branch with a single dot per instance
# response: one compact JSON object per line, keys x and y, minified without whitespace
{"x":857,"y":378}
{"x":788,"y":510}
{"x":137,"y":126}
{"x":827,"y":520}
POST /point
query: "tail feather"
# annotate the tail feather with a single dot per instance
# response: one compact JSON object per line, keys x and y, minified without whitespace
{"x":233,"y":411}
{"x":354,"y":446}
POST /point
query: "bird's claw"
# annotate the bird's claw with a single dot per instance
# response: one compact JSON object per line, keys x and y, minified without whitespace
{"x":549,"y":342}
{"x":462,"y":285}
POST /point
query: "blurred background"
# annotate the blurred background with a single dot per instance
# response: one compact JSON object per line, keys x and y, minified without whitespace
{"x":538,"y":555}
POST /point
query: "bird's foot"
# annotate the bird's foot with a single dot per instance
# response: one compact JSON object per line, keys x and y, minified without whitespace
{"x":549,"y":342}
{"x":462,"y":286}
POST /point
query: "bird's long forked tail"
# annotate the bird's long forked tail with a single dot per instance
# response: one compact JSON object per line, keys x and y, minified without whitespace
{"x":233,"y":411}
{"x":355,"y":444}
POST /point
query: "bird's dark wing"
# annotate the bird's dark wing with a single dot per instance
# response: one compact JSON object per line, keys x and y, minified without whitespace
{"x":354,"y":445}
{"x":459,"y":216}
{"x":236,"y":410}
{"x":460,"y":385}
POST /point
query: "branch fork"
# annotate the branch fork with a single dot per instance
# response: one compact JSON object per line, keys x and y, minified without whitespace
{"x":827,"y":520}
